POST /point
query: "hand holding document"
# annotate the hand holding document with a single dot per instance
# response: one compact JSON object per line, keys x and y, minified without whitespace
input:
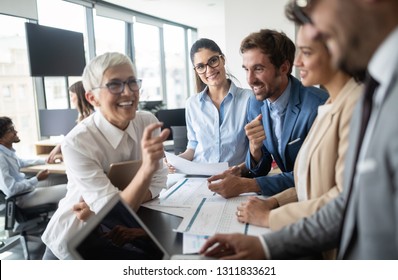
{"x":178,"y":199}
{"x":195,"y":168}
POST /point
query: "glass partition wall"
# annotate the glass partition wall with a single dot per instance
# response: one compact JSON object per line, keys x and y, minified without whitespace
{"x":158,"y":48}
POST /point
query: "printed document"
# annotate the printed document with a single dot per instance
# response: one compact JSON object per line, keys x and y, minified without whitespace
{"x":214,"y":215}
{"x":195,"y":168}
{"x":180,"y":197}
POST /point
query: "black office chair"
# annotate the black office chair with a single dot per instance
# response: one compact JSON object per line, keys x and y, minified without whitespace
{"x":25,"y":224}
{"x":180,"y":139}
{"x":171,"y":117}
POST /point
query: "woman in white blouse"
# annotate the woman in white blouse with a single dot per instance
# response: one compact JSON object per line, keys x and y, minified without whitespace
{"x":115,"y":132}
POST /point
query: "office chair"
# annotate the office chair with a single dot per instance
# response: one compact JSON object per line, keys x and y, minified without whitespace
{"x":25,"y":224}
{"x":180,"y":139}
{"x":171,"y":117}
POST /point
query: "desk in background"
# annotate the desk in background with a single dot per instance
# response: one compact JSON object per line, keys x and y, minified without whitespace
{"x":56,"y":168}
{"x":44,"y":147}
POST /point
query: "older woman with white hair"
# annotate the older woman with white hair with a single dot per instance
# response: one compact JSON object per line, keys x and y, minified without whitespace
{"x":115,"y":132}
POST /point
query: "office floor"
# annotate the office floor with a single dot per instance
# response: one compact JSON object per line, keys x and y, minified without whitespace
{"x":16,"y":253}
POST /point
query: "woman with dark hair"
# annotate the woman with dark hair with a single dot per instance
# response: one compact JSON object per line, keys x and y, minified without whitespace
{"x":319,"y":166}
{"x":84,"y":108}
{"x":79,"y":101}
{"x":216,"y":116}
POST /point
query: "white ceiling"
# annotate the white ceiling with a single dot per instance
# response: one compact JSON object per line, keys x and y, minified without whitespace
{"x":194,"y":13}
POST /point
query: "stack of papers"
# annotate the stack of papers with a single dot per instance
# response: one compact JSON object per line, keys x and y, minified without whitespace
{"x":204,"y":213}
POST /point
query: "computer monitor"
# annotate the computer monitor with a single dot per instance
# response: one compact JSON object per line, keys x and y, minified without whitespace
{"x":172,"y":117}
{"x":54,"y":52}
{"x":57,"y":122}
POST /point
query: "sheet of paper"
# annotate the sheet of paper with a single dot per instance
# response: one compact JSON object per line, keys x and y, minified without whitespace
{"x":191,"y":243}
{"x":195,"y":168}
{"x":183,"y":193}
{"x":217,"y":215}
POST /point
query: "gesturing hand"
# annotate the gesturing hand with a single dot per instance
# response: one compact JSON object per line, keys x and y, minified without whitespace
{"x":256,"y":135}
{"x":152,"y":147}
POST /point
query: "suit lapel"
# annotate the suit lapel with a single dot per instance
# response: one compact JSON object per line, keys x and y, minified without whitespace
{"x":292,"y":113}
{"x":322,"y":126}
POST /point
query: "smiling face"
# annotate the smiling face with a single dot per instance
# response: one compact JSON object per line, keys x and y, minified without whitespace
{"x":212,"y":76}
{"x":266,"y":81}
{"x":10,"y":137}
{"x":312,"y":59}
{"x":118,"y":109}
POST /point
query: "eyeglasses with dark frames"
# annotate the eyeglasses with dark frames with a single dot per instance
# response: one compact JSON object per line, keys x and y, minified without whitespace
{"x":213,"y":62}
{"x":117,"y":87}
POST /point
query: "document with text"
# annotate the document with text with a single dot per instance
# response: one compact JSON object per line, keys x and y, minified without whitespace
{"x":179,"y":198}
{"x":217,"y":215}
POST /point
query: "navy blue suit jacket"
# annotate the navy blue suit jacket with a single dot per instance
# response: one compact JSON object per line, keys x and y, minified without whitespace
{"x":301,"y":112}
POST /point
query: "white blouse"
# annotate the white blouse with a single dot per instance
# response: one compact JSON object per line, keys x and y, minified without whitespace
{"x":88,"y":151}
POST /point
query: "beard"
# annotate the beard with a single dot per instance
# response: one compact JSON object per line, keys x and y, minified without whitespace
{"x":351,"y":62}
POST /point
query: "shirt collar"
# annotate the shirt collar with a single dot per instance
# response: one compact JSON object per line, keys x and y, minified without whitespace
{"x":280,"y":104}
{"x":7,"y":151}
{"x":232,"y":91}
{"x":111,"y":133}
{"x":382,"y":65}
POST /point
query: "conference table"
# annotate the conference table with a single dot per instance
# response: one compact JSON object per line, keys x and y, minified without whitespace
{"x":161,"y":224}
{"x":55,"y":168}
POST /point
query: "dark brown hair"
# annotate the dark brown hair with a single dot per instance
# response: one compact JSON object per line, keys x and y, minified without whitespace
{"x":5,"y":124}
{"x":83,"y":106}
{"x":209,"y":44}
{"x":276,"y":45}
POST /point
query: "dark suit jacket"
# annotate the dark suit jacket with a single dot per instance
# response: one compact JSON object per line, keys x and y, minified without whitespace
{"x":301,"y":111}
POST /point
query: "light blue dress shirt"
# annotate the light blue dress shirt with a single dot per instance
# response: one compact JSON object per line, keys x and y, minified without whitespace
{"x":218,"y":136}
{"x":12,"y":181}
{"x":277,"y":112}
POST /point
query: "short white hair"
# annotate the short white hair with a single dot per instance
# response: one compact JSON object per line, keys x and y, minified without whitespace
{"x":94,"y":70}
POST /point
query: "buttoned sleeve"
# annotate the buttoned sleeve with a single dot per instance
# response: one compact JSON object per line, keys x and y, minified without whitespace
{"x":30,"y":162}
{"x":85,"y":171}
{"x":189,"y":111}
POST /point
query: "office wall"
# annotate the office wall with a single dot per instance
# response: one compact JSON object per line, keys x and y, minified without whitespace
{"x":241,"y":21}
{"x":241,"y":18}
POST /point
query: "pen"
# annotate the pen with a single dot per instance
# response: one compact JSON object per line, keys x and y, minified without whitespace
{"x":294,"y":141}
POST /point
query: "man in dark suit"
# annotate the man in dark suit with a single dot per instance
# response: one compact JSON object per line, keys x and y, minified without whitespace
{"x":280,"y":113}
{"x":362,"y":221}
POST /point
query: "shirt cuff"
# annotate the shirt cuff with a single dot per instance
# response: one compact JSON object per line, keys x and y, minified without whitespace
{"x":265,"y":248}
